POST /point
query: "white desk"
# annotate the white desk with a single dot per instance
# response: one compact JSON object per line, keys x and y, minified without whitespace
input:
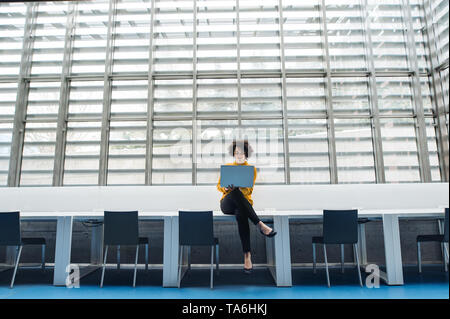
{"x":280,"y":202}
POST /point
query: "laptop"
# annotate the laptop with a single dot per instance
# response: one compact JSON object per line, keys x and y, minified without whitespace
{"x":237,"y":175}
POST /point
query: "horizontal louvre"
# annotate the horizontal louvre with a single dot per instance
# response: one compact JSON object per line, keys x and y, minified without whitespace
{"x":395,"y":95}
{"x":12,"y":23}
{"x":129,"y":99}
{"x":305,"y":96}
{"x":172,"y":97}
{"x":217,"y":97}
{"x":216,"y":36}
{"x":302,"y":36}
{"x":126,"y":158}
{"x":433,"y":149}
{"x":308,"y":141}
{"x":38,"y":154}
{"x":8,"y":95}
{"x":259,"y":25}
{"x":89,"y":43}
{"x":131,"y":36}
{"x":6,"y":130}
{"x":173,"y":37}
{"x":388,"y":36}
{"x":210,"y":72}
{"x":261,"y":96}
{"x":350,"y":95}
{"x":43,"y":100}
{"x":82,"y":153}
{"x":49,"y":39}
{"x":176,"y":165}
{"x":86,"y":99}
{"x":345,"y":35}
{"x":354,"y":151}
{"x":440,"y":22}
{"x":400,"y":150}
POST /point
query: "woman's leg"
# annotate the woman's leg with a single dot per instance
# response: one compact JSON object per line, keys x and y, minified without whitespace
{"x":244,"y":206}
{"x":244,"y":230}
{"x":229,"y":207}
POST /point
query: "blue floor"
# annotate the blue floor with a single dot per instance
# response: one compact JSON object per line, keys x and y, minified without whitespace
{"x":230,"y":284}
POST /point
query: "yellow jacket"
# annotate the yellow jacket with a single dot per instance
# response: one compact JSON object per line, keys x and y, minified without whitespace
{"x":247,"y":191}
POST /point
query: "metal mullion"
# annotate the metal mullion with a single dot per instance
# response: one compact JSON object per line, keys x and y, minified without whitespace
{"x":438,"y":101}
{"x":150,"y":103}
{"x":329,"y":105}
{"x":287,"y":169}
{"x":17,"y":141}
{"x":106,"y":114}
{"x":442,"y":66}
{"x":238,"y":57}
{"x":377,"y":140}
{"x":61,"y":130}
{"x":424,"y":160}
{"x":194,"y":96}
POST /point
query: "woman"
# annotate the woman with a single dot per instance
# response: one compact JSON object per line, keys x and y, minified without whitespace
{"x":237,"y":201}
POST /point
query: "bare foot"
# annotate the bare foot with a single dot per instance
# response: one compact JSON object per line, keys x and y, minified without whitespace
{"x":265,"y":229}
{"x":247,"y":261}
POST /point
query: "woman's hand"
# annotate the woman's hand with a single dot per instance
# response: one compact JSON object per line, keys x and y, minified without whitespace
{"x":230,"y":188}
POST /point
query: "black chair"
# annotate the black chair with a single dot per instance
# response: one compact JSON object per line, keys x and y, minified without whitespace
{"x":122,"y":228}
{"x":10,"y":235}
{"x":197,"y":229}
{"x":443,"y":239}
{"x":339,"y":227}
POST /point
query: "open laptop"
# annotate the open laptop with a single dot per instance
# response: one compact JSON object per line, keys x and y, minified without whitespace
{"x":237,"y":175}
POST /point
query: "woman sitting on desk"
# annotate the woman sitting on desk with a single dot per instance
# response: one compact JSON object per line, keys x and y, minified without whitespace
{"x":237,"y":201}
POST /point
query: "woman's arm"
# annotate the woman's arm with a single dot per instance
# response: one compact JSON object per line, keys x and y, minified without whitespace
{"x":220,"y":189}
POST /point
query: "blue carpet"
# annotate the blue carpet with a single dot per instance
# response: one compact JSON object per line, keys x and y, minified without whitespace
{"x":230,"y":284}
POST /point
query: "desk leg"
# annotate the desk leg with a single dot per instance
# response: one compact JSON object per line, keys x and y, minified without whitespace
{"x":63,"y":249}
{"x":10,"y":258}
{"x":362,"y":247}
{"x":170,"y":258}
{"x":279,"y":253}
{"x":97,"y":245}
{"x":392,"y":249}
{"x":10,"y":255}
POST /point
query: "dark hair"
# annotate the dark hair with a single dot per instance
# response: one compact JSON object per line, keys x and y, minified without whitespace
{"x":248,"y":150}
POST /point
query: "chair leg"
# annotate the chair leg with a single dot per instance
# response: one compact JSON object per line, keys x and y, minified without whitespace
{"x":19,"y":252}
{"x":419,"y":259}
{"x":217,"y":258}
{"x":212,"y":267}
{"x":118,"y":256}
{"x":445,"y":256}
{"x":357,"y":262}
{"x":146,"y":256}
{"x":180,"y":264}
{"x":314,"y":257}
{"x":444,"y":259}
{"x":326,"y":264}
{"x":43,"y":257}
{"x":135,"y":265}
{"x":189,"y":258}
{"x":103,"y":266}
{"x":342,"y":258}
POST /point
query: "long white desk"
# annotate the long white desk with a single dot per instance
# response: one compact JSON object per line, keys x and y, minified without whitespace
{"x":281,"y":203}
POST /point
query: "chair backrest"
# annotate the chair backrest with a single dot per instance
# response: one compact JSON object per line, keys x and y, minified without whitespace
{"x":121,"y":228}
{"x":340,"y":226}
{"x":446,"y":226}
{"x":195,"y":228}
{"x":10,"y":229}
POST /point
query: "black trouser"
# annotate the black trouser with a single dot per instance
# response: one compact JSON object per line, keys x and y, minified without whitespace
{"x":236,"y":204}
